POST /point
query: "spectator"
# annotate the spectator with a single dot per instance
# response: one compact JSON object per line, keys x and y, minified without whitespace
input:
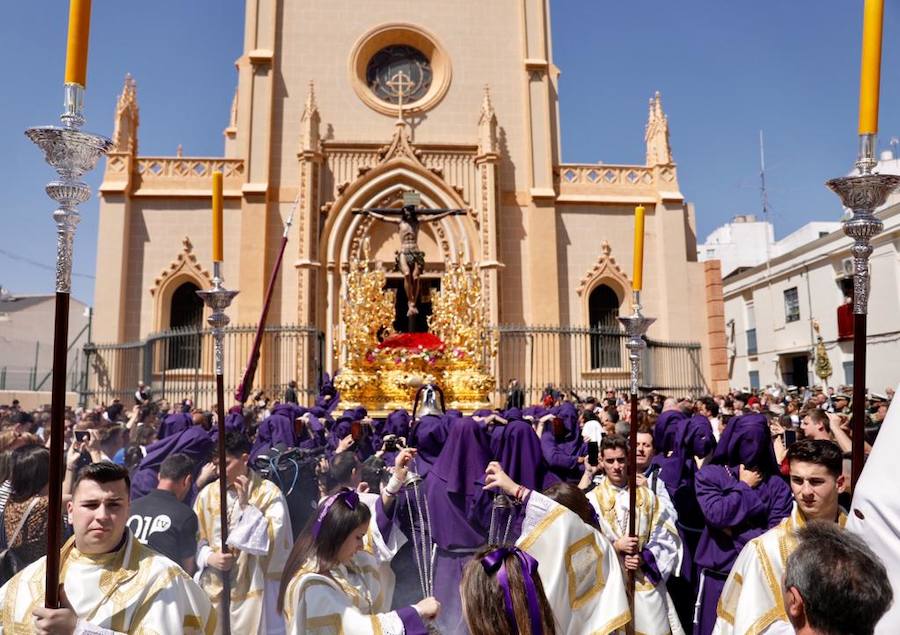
{"x":290,"y":395}
{"x":25,"y":515}
{"x":846,"y":592}
{"x":162,"y":519}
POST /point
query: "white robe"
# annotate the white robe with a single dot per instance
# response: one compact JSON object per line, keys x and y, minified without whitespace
{"x":752,"y":602}
{"x":656,"y":531}
{"x":579,"y":570}
{"x":355,"y":598}
{"x":132,"y":590}
{"x":875,"y":513}
{"x":261,"y":533}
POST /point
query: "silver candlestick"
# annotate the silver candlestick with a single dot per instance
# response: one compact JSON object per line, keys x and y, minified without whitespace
{"x":636,"y":326}
{"x":72,"y":154}
{"x":862,"y":194}
{"x":218,"y":299}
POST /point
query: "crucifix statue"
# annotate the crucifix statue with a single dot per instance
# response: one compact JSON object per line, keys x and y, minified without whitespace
{"x":410,"y":261}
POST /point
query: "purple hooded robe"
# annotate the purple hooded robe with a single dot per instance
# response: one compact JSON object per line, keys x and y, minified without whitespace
{"x":194,"y":442}
{"x":735,"y":513}
{"x":562,"y":454}
{"x":173,"y":424}
{"x":428,"y":436}
{"x":277,"y":428}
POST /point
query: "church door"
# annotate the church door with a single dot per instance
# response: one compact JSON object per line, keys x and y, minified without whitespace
{"x":605,"y":337}
{"x":185,"y":319}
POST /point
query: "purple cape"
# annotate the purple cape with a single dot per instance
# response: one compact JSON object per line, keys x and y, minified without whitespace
{"x":562,"y":454}
{"x":521,"y":457}
{"x":173,"y":424}
{"x":277,"y":428}
{"x":746,"y":440}
{"x":194,"y":442}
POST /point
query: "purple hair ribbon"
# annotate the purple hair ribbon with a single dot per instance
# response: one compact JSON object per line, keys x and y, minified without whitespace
{"x":493,"y":562}
{"x":348,"y":497}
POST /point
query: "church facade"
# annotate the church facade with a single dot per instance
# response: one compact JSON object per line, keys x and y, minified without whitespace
{"x":338,"y":109}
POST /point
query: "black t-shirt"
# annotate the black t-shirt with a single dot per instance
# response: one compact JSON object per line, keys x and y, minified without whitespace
{"x":166,"y":525}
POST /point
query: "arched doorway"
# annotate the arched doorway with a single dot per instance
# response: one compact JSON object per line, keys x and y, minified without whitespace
{"x":185,"y":317}
{"x":603,"y":309}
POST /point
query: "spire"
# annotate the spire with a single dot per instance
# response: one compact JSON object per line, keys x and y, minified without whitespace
{"x":656,"y":135}
{"x":127,"y":119}
{"x":487,"y":125}
{"x":309,"y":122}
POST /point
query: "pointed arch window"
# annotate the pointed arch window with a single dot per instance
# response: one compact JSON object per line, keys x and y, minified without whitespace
{"x":605,"y":336}
{"x":186,"y":320}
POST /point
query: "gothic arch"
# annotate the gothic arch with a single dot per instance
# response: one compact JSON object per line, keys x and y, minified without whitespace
{"x":183,"y":268}
{"x":606,"y":271}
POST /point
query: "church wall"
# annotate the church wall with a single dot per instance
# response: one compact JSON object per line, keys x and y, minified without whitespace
{"x":512,"y":247}
{"x":481,"y":39}
{"x":167,"y":221}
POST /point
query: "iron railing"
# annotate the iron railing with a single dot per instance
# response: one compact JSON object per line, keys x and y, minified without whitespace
{"x":178,"y":364}
{"x":587,"y":361}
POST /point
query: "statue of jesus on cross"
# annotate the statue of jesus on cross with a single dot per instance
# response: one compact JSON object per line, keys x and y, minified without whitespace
{"x":410,"y":260}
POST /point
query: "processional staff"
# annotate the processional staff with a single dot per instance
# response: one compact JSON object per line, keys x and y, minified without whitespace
{"x":218,"y":299}
{"x":243,"y":389}
{"x":863,"y":194}
{"x":636,"y":326}
{"x":72,"y":154}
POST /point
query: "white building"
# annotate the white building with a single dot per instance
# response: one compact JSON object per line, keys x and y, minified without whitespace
{"x":26,"y":341}
{"x":744,"y":242}
{"x":769,"y":319}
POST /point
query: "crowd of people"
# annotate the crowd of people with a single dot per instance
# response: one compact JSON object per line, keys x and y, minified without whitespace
{"x":516,"y":519}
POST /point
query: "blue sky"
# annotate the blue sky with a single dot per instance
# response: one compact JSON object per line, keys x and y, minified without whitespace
{"x":725,"y":69}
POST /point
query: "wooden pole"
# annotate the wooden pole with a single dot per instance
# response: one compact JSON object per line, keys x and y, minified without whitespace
{"x":632,"y":501}
{"x":57,"y":455}
{"x":858,"y":456}
{"x":225,"y":605}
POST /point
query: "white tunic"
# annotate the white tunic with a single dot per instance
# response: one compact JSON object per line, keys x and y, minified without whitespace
{"x":131,"y":590}
{"x":656,"y":532}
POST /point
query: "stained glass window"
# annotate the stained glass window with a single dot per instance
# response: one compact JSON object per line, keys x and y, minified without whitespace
{"x":399,"y":69}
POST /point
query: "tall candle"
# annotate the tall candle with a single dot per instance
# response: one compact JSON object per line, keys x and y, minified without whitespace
{"x":638,"y":277}
{"x":870,"y":73}
{"x":217,"y":216}
{"x":77,"y":45}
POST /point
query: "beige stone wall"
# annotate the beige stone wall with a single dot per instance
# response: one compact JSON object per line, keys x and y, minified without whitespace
{"x":483,"y":40}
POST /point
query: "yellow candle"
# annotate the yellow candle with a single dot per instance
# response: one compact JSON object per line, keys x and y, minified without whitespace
{"x":77,"y":46}
{"x":217,"y":216}
{"x":638,"y":277}
{"x":870,"y":73}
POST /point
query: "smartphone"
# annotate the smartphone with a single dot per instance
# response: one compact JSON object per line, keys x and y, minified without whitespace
{"x":593,"y":453}
{"x":356,"y":431}
{"x":790,"y":438}
{"x":559,"y":428}
{"x":82,"y":435}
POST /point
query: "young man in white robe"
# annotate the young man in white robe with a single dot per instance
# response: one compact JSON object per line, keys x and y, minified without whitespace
{"x":752,"y":602}
{"x":259,"y":540}
{"x":654,"y":554}
{"x":111,"y":583}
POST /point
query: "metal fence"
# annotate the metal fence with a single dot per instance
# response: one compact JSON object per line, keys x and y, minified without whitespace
{"x":178,"y":364}
{"x":588,"y":361}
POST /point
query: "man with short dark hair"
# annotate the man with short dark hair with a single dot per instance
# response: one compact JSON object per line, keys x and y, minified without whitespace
{"x":162,"y":519}
{"x":112,"y":584}
{"x":844,"y":593}
{"x":654,"y":554}
{"x":751,"y":597}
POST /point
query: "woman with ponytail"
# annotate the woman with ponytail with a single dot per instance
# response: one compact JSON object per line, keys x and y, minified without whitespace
{"x":331,"y":578}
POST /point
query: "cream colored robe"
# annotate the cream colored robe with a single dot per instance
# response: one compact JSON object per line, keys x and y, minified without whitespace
{"x":261,"y":533}
{"x":355,"y":598}
{"x":752,"y":602}
{"x":656,"y":531}
{"x":579,"y":570}
{"x":132,"y":590}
